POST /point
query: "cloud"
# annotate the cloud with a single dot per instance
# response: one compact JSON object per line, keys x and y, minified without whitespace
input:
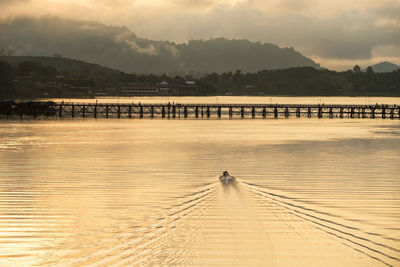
{"x":194,"y":3}
{"x":51,"y":34}
{"x":11,"y":2}
{"x":120,"y":48}
{"x":296,"y":5}
{"x":330,"y":31}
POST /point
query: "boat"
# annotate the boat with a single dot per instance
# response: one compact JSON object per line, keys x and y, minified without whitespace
{"x":226,"y":178}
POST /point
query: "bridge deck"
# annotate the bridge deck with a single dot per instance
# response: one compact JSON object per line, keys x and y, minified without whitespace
{"x":169,"y":110}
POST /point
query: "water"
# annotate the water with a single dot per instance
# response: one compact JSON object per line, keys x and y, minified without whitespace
{"x":101,"y":192}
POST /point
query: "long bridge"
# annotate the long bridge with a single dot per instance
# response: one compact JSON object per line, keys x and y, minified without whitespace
{"x":198,"y":111}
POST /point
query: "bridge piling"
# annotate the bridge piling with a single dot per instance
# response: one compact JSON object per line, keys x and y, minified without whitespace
{"x":8,"y":112}
{"x":21,"y":114}
{"x":60,"y":110}
{"x":34,"y":112}
{"x":207,"y":110}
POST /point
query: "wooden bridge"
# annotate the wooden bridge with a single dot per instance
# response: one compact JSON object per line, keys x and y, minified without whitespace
{"x":97,"y":110}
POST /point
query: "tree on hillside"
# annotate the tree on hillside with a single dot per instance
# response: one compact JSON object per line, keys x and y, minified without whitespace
{"x":357,"y":69}
{"x":57,"y":55}
{"x":6,"y":52}
{"x":6,"y":80}
{"x":28,"y":67}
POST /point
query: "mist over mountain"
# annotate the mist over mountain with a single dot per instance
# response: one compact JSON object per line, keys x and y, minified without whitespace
{"x":385,"y":67}
{"x":120,"y":48}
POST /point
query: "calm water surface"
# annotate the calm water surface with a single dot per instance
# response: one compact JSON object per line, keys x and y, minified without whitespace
{"x":310,"y":192}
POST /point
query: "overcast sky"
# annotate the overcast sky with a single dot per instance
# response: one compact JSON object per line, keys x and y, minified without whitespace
{"x":335,"y":33}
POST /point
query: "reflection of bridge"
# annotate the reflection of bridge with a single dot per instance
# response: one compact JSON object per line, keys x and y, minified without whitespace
{"x":84,"y":110}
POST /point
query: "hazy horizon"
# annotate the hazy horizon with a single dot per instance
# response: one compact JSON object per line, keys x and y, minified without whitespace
{"x":336,"y":35}
{"x":199,"y":133}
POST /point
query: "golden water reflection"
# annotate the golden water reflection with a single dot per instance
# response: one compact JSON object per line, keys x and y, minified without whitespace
{"x":146,"y":192}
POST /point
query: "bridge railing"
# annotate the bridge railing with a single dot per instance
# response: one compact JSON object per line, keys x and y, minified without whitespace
{"x":168,"y":110}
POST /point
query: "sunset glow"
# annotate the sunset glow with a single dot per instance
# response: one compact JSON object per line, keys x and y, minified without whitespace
{"x":336,"y":34}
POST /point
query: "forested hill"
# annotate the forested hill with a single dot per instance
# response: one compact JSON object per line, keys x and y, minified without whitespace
{"x":65,"y":66}
{"x":31,"y":77}
{"x":120,"y":48}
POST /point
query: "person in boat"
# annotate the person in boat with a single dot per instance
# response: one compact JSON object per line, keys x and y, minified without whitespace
{"x":226,"y":177}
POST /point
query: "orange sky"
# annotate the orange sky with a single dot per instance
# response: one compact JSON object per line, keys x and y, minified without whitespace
{"x":337,"y":34}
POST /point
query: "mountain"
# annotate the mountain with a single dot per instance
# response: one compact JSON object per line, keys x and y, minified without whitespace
{"x":385,"y":67}
{"x":120,"y":48}
{"x":63,"y":65}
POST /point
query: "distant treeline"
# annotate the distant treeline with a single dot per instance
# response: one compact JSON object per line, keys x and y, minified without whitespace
{"x":306,"y":81}
{"x":64,"y":77}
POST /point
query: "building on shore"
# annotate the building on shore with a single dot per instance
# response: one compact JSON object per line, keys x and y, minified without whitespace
{"x":138,"y":89}
{"x":60,"y":86}
{"x":177,"y":86}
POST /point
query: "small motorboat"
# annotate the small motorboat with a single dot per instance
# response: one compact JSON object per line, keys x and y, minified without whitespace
{"x":227,"y":178}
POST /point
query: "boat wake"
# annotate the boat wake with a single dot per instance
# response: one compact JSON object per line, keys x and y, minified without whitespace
{"x":373,"y":245}
{"x":153,"y":242}
{"x":236,"y":223}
